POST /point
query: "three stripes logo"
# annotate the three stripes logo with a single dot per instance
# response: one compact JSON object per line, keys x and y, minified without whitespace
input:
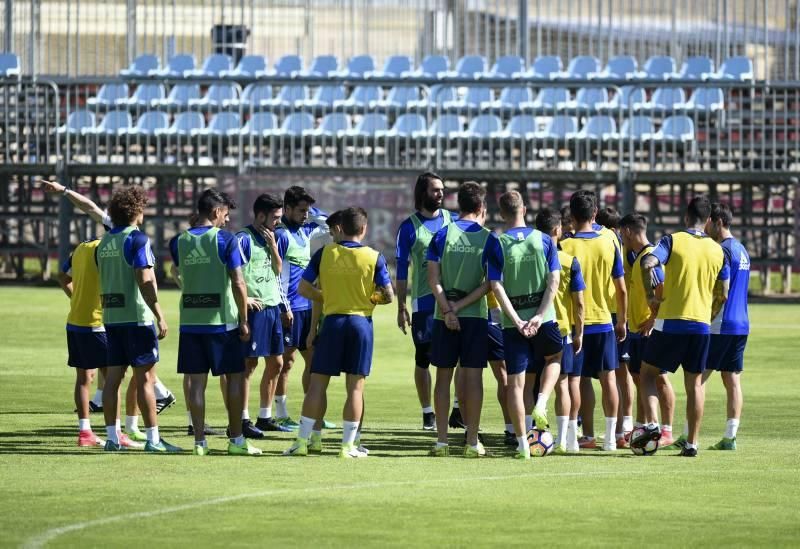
{"x":110,"y":250}
{"x":197,"y":256}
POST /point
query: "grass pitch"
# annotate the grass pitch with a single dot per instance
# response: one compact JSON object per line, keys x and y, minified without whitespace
{"x":56,"y":494}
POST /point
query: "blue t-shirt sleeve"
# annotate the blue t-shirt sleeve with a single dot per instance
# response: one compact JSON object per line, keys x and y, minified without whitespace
{"x":725,"y":272}
{"x":173,"y":249}
{"x":551,"y":253}
{"x":436,"y":247}
{"x":495,"y":261}
{"x":576,"y":282}
{"x":382,"y":277}
{"x":244,"y":244}
{"x":66,"y":267}
{"x":492,"y":248}
{"x":230,"y":251}
{"x":141,"y":254}
{"x":663,"y":250}
{"x":617,"y":271}
{"x":406,"y":236}
{"x":282,"y":241}
{"x":658,"y":275}
{"x":311,"y":274}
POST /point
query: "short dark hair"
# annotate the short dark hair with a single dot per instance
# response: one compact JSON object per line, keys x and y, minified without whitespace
{"x":126,"y":204}
{"x":211,"y":199}
{"x":294,"y":195}
{"x":471,"y":197}
{"x":582,"y":205}
{"x":566,"y":214}
{"x":266,"y":203}
{"x":608,"y":217}
{"x":547,"y":220}
{"x":720,"y":211}
{"x":335,"y":219}
{"x":699,"y":209}
{"x":353,"y":220}
{"x":421,"y":187}
{"x":510,"y":202}
{"x":634,"y":221}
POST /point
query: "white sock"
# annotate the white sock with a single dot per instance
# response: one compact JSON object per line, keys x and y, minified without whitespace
{"x":522,"y":443}
{"x":627,"y":424}
{"x":316,"y":433}
{"x":131,"y":423}
{"x":160,"y":390}
{"x":238,"y":441}
{"x":611,"y":428}
{"x":202,"y":443}
{"x":280,"y":407}
{"x":98,"y":397}
{"x":731,"y":427}
{"x":264,"y":413}
{"x":528,"y":423}
{"x":306,"y":426}
{"x":690,"y":446}
{"x":152,"y":435}
{"x":245,"y":414}
{"x":189,"y":415}
{"x":84,"y":424}
{"x":561,"y":425}
{"x":349,"y":430}
{"x":427,"y":410}
{"x":440,"y":444}
{"x":572,"y":434}
{"x":686,"y":429}
{"x":455,"y":402}
{"x":666,"y":427}
{"x":637,"y":424}
{"x":112,"y":433}
{"x":541,"y":402}
{"x":509,"y":427}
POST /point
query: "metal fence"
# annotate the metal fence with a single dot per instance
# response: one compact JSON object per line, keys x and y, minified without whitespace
{"x":93,"y":37}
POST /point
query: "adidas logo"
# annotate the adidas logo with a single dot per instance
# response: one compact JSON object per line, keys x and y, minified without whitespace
{"x":111,"y":250}
{"x":744,"y":263}
{"x":197,"y":256}
{"x":462,"y":249}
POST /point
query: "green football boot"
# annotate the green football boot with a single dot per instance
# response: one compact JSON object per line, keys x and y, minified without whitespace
{"x":299,"y":448}
{"x":560,"y":450}
{"x":136,"y":435}
{"x":349,"y":451}
{"x":679,"y":444}
{"x":470,"y":452}
{"x":439,"y":451}
{"x":201,"y":450}
{"x":315,"y":444}
{"x":162,"y":447}
{"x":522,"y":454}
{"x":112,"y":446}
{"x":540,"y":420}
{"x":328,"y":424}
{"x":245,"y":449}
{"x":724,"y":444}
{"x":288,"y":422}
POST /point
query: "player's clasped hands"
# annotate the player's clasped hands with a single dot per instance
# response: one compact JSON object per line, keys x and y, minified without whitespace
{"x":254,"y":304}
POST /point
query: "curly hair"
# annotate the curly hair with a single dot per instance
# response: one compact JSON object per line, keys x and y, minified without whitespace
{"x":126,"y":205}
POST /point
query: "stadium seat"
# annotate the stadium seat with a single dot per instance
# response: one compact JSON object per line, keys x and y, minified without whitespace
{"x":666,"y":100}
{"x":678,"y":128}
{"x":482,"y":127}
{"x":9,"y":65}
{"x":250,"y":66}
{"x":367,"y":127}
{"x":582,"y":67}
{"x":432,"y":66}
{"x":706,"y":100}
{"x":143,"y":65}
{"x":259,"y":124}
{"x":394,"y":67}
{"x":287,"y":65}
{"x":444,"y":126}
{"x":547,"y":101}
{"x":521,"y":126}
{"x":659,"y":67}
{"x":507,"y":66}
{"x":147,"y":95}
{"x":545,"y":67}
{"x":222,"y":124}
{"x":149,"y":123}
{"x":178,"y":66}
{"x":734,"y":68}
{"x":695,"y":68}
{"x":256,"y":94}
{"x":637,"y":128}
{"x":184,"y":124}
{"x":332,"y":126}
{"x":360,"y":98}
{"x":324,"y":97}
{"x":588,"y":100}
{"x":439,"y":95}
{"x":294,"y":125}
{"x":358,"y":67}
{"x":180,"y":95}
{"x":217,"y":95}
{"x":287,"y":97}
{"x":322,"y":65}
{"x":398,"y":98}
{"x":213,"y":67}
{"x":622,"y":67}
{"x":404,"y":127}
{"x":77,"y":121}
{"x":510,"y":99}
{"x":115,"y":122}
{"x":469,"y":66}
{"x":472,"y":101}
{"x":598,"y":128}
{"x":558,"y":128}
{"x":626,"y":100}
{"x":109,"y":95}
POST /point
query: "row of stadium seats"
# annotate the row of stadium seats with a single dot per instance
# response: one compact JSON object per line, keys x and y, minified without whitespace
{"x":678,"y":128}
{"x":546,"y":67}
{"x":334,"y":97}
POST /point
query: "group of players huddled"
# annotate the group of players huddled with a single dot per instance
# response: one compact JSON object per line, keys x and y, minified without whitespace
{"x":581,"y":295}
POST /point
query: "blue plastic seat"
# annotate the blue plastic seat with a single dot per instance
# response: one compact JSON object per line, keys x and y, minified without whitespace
{"x":559,"y":127}
{"x":637,"y":128}
{"x":629,"y":97}
{"x":438,"y":95}
{"x":149,"y":123}
{"x":446,"y":125}
{"x":180,"y":95}
{"x":368,"y":126}
{"x":735,"y":68}
{"x":399,"y":97}
{"x":621,"y":66}
{"x":222,"y":124}
{"x":109,"y":95}
{"x":217,"y":95}
{"x":677,"y":128}
{"x":287,"y":97}
{"x":295,"y":124}
{"x":359,"y":66}
{"x":521,"y":126}
{"x":331,"y":126}
{"x":77,"y":122}
{"x":546,"y":67}
{"x":250,"y":66}
{"x":589,"y":100}
{"x":9,"y":65}
{"x":548,"y":99}
{"x":706,"y":100}
{"x":260,"y":123}
{"x":583,"y":67}
{"x":323,"y":65}
{"x":405,"y":126}
{"x":432,"y":66}
{"x":470,"y":66}
{"x":599,"y":128}
{"x":507,"y":66}
{"x":510,"y":98}
{"x":667,"y":99}
{"x":696,"y":68}
{"x":184,"y":124}
{"x":659,"y":67}
{"x":473,"y":100}
{"x":147,"y":95}
{"x":143,"y":65}
{"x":256,"y":94}
{"x":115,"y":122}
{"x":361,"y":96}
{"x":214,"y":65}
{"x":325,"y":96}
{"x":288,"y":65}
{"x":395,"y":66}
{"x":178,"y":66}
{"x":483,"y":126}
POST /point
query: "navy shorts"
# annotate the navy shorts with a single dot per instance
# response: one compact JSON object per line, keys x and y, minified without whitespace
{"x":468,"y":347}
{"x":87,"y":350}
{"x":301,"y":325}
{"x":526,"y":355}
{"x":637,"y":346}
{"x":495,"y":350}
{"x":219,"y":353}
{"x":668,"y":351}
{"x":266,"y":333}
{"x":344,"y":346}
{"x":568,"y":363}
{"x":726,"y":352}
{"x":131,"y":345}
{"x":421,"y":329}
{"x":623,"y":349}
{"x":599,"y":353}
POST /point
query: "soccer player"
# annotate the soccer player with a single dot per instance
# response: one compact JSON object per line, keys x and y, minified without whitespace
{"x":352,"y":278}
{"x":300,"y":223}
{"x":600,"y":260}
{"x":524,"y":275}
{"x":260,"y":250}
{"x":642,"y":317}
{"x":695,"y":288}
{"x":129,"y":296}
{"x":730,"y":327}
{"x":569,"y":307}
{"x":413,"y":237}
{"x":456,"y":275}
{"x":208,"y":262}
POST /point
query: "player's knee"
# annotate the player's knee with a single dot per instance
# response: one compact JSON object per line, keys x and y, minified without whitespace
{"x":422,"y":359}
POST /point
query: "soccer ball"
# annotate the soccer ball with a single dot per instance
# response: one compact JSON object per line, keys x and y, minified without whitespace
{"x":541,"y":442}
{"x":649,"y":449}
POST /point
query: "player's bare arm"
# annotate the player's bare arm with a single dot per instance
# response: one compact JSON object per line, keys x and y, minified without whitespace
{"x":175,"y":273}
{"x":148,"y":287}
{"x":307,"y":290}
{"x":403,"y":316}
{"x":445,"y":306}
{"x":65,"y":281}
{"x":472,"y":297}
{"x":84,"y":204}
{"x":553,"y":279}
{"x":649,"y":263}
{"x":720,"y":296}
{"x":579,"y":313}
{"x":622,"y":308}
{"x":240,"y":296}
{"x":505,"y":304}
{"x":383,"y":295}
